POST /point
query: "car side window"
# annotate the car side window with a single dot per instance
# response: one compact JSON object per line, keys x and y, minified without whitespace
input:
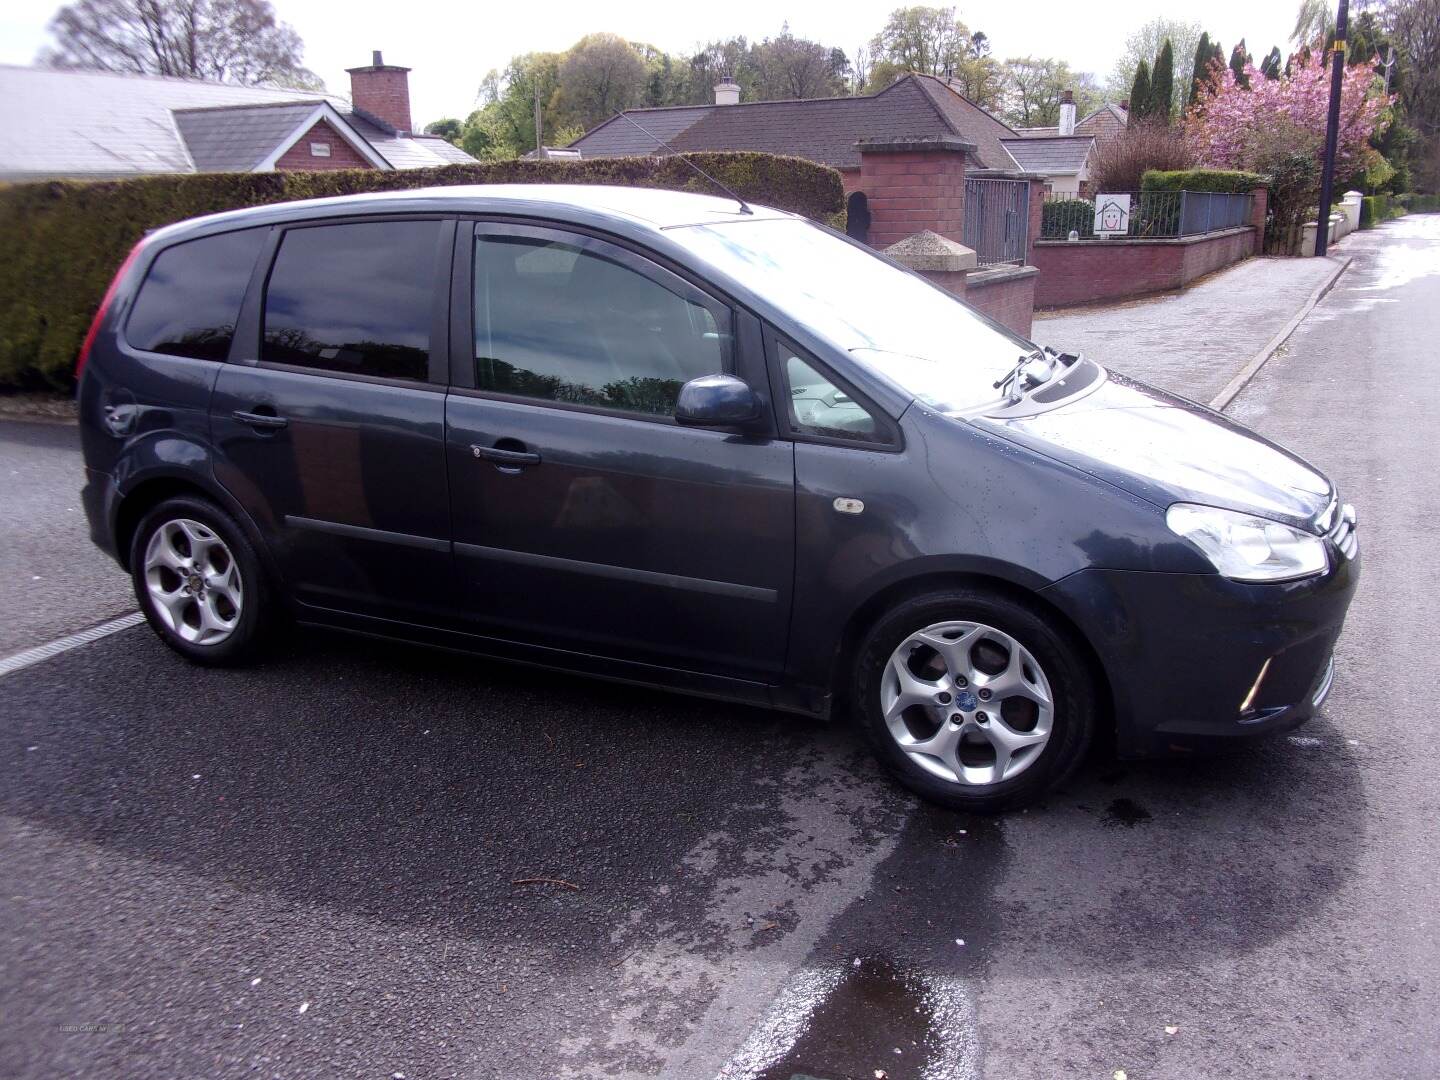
{"x":191,"y":296}
{"x":819,"y":407}
{"x":566,"y":322}
{"x":355,"y":298}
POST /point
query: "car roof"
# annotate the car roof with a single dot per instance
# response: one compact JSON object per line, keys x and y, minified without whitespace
{"x":645,"y":208}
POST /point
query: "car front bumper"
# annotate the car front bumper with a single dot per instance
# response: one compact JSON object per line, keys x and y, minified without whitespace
{"x":1197,"y":662}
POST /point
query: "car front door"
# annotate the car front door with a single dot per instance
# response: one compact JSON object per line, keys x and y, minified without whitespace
{"x":329,"y":422}
{"x":585,"y":518}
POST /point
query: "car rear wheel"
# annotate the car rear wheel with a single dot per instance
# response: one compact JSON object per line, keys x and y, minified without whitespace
{"x":973,"y":699}
{"x":199,"y":581}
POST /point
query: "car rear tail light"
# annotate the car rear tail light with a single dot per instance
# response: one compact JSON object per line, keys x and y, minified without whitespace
{"x":105,"y":303}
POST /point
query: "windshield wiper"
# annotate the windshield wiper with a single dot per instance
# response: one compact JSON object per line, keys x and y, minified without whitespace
{"x":1030,"y":371}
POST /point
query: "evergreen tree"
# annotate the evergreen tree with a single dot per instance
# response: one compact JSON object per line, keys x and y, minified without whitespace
{"x":1238,"y":59}
{"x":1200,"y":70}
{"x":1140,"y":92}
{"x":1270,"y":66}
{"x":1162,"y":84}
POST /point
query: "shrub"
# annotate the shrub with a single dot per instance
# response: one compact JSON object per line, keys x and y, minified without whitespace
{"x":1059,"y":216}
{"x":1383,"y":207}
{"x":1220,"y":181}
{"x":1423,"y":204}
{"x":65,"y":239}
{"x":1121,"y":162}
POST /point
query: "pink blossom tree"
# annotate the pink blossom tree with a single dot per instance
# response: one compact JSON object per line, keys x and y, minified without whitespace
{"x":1277,"y":127}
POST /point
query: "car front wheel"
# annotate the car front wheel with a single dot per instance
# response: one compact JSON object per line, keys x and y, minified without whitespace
{"x":973,"y":699}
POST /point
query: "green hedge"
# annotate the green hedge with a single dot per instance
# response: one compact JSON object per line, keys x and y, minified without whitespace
{"x":1223,"y":181}
{"x":1377,"y":208}
{"x":1059,"y":216}
{"x":1416,"y":203}
{"x":64,"y":239}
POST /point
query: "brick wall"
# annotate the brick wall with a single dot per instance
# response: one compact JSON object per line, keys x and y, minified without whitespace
{"x":1006,"y":294}
{"x":342,"y":155}
{"x":1087,"y":271}
{"x":1259,"y":200}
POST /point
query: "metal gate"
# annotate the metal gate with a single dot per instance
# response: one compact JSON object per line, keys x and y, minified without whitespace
{"x":997,"y":219}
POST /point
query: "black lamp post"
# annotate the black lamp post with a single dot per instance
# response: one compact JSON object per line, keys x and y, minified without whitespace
{"x":1332,"y":131}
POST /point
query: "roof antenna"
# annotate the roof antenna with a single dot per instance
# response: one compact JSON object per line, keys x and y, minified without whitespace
{"x":744,"y":206}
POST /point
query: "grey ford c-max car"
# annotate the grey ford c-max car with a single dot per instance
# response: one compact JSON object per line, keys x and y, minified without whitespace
{"x":670,"y":439}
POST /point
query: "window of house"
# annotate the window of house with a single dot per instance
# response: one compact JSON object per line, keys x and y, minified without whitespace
{"x":356,"y":298}
{"x":562,"y":322}
{"x":319,"y":149}
{"x":191,"y":297}
{"x":819,"y":407}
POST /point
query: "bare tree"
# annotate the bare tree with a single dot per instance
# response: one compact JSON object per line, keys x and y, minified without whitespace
{"x":793,"y":68}
{"x":236,"y":41}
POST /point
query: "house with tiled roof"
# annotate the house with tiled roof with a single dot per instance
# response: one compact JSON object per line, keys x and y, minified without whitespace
{"x":827,"y":130}
{"x":1106,"y":122}
{"x":1064,"y":160}
{"x":106,"y":125}
{"x":1066,"y":151}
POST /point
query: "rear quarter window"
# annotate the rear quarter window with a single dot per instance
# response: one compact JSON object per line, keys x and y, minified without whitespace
{"x":190,"y":298}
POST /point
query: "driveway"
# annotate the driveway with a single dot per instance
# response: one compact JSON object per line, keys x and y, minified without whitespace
{"x":368,"y":860}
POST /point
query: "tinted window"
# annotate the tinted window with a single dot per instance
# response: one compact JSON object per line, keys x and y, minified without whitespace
{"x":191,"y":296}
{"x":354,"y":298}
{"x":556,"y":322}
{"x":819,"y":407}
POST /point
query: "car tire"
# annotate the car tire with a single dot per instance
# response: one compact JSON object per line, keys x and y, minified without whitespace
{"x":1041,"y":660}
{"x":200,"y":583}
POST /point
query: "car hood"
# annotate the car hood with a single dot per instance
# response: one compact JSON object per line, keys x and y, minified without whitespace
{"x":1165,"y":449}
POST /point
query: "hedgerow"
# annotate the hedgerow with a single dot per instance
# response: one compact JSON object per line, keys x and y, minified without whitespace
{"x":1221,"y":181}
{"x":64,"y":239}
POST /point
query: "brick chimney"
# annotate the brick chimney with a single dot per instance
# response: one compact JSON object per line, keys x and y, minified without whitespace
{"x":381,"y":93}
{"x":727,"y":91}
{"x":1067,"y":113}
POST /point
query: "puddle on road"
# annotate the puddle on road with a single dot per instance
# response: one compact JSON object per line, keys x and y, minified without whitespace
{"x":873,"y":1011}
{"x":1126,"y":812}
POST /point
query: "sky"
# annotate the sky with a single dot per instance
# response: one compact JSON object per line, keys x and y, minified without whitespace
{"x":450,"y":46}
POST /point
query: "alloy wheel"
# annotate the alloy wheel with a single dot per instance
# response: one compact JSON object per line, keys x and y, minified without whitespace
{"x":967,"y":703}
{"x":194,"y":582}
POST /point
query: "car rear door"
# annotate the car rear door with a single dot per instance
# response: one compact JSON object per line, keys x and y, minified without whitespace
{"x":329,"y":420}
{"x":585,"y":517}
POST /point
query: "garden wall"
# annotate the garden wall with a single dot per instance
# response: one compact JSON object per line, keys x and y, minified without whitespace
{"x":1089,"y":271}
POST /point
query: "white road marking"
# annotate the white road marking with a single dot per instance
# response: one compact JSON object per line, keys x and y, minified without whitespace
{"x":16,"y":661}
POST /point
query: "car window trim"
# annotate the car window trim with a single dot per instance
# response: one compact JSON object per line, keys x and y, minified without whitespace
{"x":253,"y":309}
{"x":780,"y":388}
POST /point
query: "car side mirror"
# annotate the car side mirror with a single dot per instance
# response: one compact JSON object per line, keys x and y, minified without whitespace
{"x":716,"y":401}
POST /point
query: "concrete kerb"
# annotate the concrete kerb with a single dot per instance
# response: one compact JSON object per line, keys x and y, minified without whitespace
{"x":1232,"y":389}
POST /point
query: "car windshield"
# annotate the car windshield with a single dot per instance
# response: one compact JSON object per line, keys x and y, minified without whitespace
{"x":922,"y":339}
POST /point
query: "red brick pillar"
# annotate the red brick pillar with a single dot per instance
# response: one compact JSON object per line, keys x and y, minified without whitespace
{"x":914,"y":184}
{"x":1037,"y":210}
{"x":1259,"y":200}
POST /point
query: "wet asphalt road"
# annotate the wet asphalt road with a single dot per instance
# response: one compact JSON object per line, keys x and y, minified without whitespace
{"x":189,"y":859}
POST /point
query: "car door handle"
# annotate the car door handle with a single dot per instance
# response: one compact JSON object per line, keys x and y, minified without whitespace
{"x":513,"y":458}
{"x":261,"y":421}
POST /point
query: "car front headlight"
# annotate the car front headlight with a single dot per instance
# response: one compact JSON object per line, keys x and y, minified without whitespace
{"x":1248,"y":548}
